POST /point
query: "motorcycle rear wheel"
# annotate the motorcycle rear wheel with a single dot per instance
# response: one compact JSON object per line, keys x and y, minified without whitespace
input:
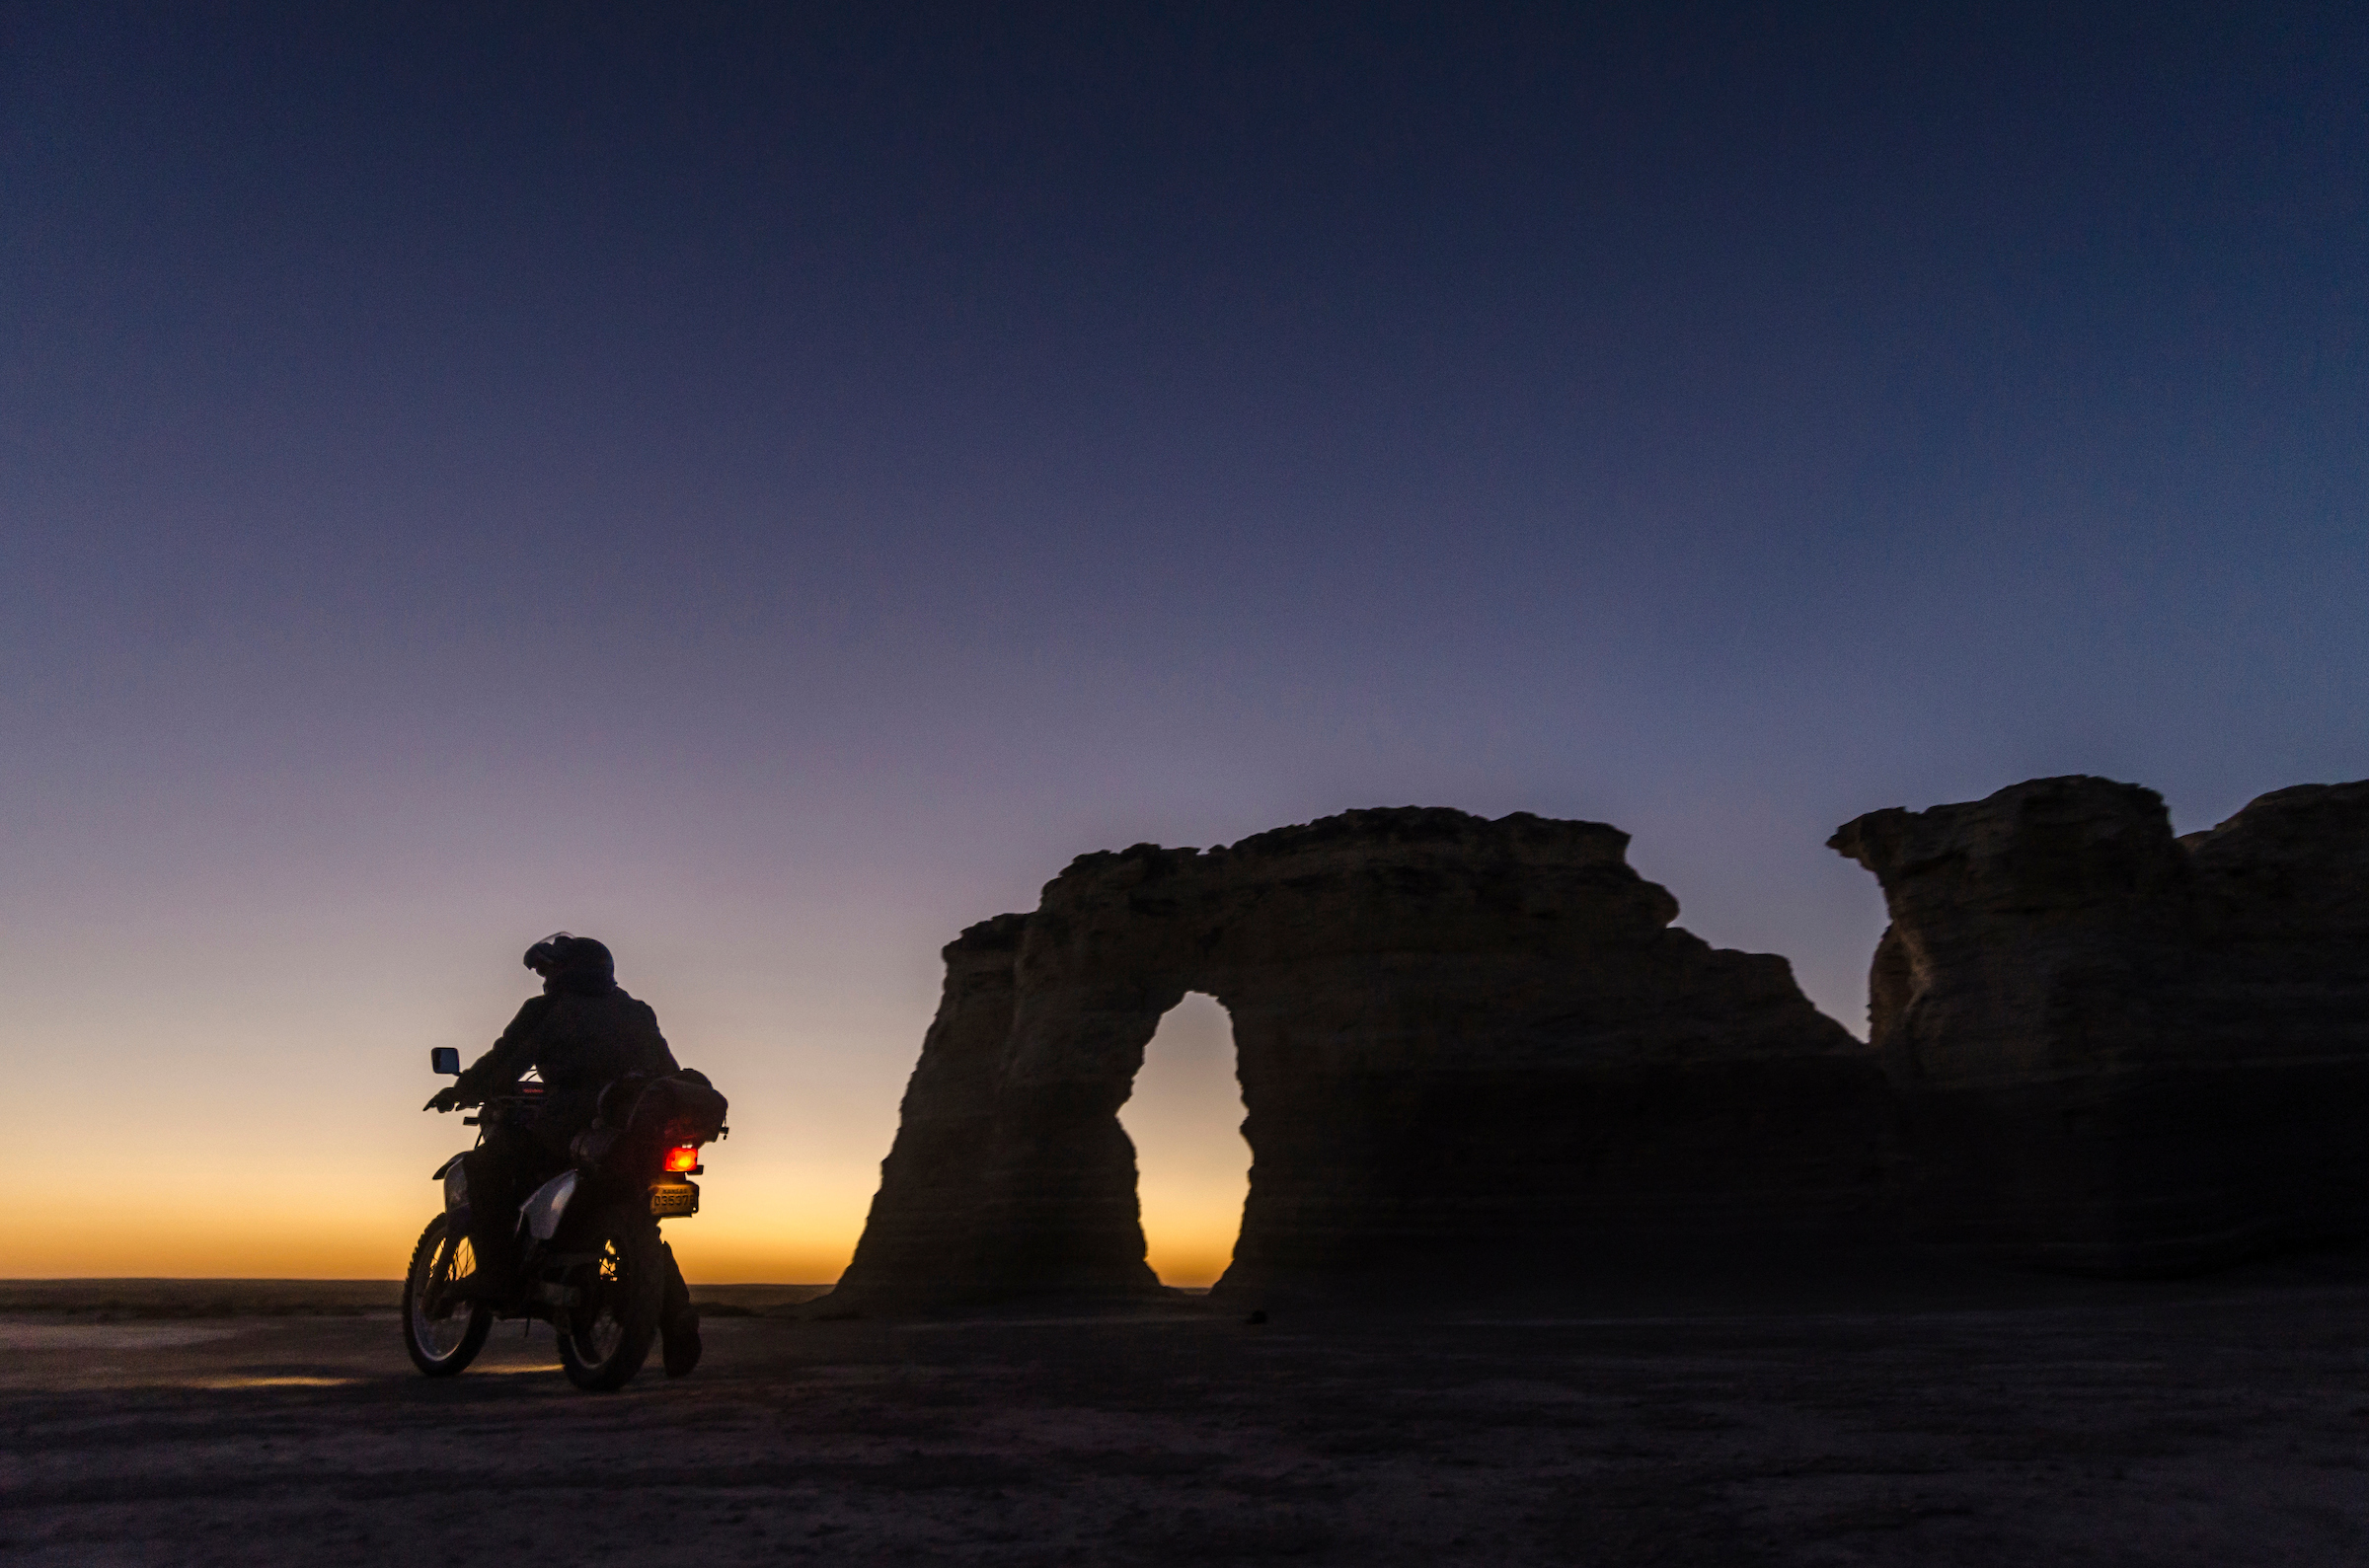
{"x":441,"y":1346}
{"x":605,"y":1334}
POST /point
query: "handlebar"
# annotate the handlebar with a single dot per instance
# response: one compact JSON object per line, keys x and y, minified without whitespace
{"x":520,"y":1093}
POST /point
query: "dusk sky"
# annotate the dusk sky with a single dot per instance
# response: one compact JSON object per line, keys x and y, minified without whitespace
{"x":766,"y":486}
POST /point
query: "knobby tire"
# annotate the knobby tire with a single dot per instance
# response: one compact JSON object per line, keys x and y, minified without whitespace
{"x":436,"y":1347}
{"x":606,"y":1335}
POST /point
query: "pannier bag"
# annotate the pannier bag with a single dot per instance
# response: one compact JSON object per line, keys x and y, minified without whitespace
{"x":643,"y":1114}
{"x":679,"y":1108}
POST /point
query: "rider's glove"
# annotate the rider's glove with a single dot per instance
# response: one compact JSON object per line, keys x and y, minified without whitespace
{"x":445,"y":1099}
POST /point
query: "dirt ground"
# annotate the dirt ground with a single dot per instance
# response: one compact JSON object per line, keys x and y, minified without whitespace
{"x":2205,"y":1424}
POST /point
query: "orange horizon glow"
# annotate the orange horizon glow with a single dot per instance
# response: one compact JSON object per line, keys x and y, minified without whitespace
{"x":340,"y":1190}
{"x":1187,"y":1243}
{"x":377,"y":1247}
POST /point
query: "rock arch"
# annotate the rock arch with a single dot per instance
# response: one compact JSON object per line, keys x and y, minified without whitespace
{"x":1468,"y":1049}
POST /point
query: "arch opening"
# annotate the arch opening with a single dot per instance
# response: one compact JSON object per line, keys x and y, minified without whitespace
{"x":1192,"y":1166}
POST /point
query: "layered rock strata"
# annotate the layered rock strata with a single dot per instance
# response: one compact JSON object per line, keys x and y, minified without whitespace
{"x":1470,"y":1050}
{"x":2118,"y":1051}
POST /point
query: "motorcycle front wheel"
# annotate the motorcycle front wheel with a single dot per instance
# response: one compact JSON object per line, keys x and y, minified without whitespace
{"x":605,"y":1332}
{"x":443,"y":1335}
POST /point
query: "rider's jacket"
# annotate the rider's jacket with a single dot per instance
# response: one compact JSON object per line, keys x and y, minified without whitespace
{"x":579,"y":1035}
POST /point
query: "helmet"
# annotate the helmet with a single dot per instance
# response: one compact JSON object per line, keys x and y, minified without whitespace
{"x":581,"y":959}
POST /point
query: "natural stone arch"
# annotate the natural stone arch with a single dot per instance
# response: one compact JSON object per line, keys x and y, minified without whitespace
{"x":1466,"y":1048}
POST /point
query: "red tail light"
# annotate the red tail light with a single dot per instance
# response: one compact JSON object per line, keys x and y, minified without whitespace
{"x":685,"y":1157}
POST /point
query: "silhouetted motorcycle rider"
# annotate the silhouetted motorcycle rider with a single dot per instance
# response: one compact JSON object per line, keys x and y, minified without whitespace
{"x":582,"y":1034}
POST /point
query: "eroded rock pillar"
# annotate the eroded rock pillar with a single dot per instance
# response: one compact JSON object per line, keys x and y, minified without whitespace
{"x":2117,"y":1052}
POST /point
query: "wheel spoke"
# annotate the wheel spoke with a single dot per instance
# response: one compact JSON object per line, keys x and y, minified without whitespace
{"x":438,"y":1321}
{"x":441,"y":1335}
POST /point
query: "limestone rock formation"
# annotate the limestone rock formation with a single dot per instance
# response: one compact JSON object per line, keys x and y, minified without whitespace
{"x":2118,"y":1051}
{"x":1469,"y":1050}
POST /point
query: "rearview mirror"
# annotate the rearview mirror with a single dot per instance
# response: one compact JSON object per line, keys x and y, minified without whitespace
{"x":445,"y":1059}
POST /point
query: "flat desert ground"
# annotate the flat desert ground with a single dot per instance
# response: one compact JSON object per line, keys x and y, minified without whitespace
{"x":2220,"y":1422}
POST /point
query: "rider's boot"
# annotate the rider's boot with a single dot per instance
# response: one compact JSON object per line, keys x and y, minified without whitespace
{"x":489,"y":1283}
{"x":493,"y":1168}
{"x":678,"y":1320}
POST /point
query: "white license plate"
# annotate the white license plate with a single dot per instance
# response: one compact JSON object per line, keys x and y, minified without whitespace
{"x":674,"y":1199}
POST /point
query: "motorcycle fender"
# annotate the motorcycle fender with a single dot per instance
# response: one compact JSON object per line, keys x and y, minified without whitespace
{"x":550,"y":1202}
{"x":439,"y":1172}
{"x":456,"y":1187}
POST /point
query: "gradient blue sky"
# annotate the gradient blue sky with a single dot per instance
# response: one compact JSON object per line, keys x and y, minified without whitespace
{"x":766,"y":486}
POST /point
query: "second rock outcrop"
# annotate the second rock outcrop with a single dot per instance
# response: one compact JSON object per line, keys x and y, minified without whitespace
{"x":2118,"y":1051}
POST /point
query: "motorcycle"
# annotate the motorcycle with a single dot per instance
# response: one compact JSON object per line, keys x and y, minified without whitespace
{"x":590,"y":1259}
